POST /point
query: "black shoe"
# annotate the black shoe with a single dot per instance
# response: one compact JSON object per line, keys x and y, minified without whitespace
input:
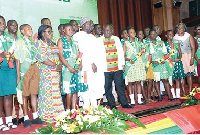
{"x":156,"y":97}
{"x":160,"y":100}
{"x":27,"y":123}
{"x":127,"y":106}
{"x":164,"y":95}
{"x":14,"y":121}
{"x":172,"y":99}
{"x":21,"y":120}
{"x":105,"y":103}
{"x":113,"y":107}
{"x":37,"y":121}
{"x":132,"y":105}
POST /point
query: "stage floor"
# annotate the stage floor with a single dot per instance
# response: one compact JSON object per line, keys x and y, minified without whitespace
{"x":21,"y":130}
{"x":138,"y":108}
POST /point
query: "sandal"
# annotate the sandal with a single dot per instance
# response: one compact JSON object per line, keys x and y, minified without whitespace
{"x":11,"y":125}
{"x":150,"y":101}
{"x":4,"y":128}
{"x":153,"y":101}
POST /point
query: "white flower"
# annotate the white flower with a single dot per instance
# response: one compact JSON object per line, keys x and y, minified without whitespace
{"x":86,"y":117}
{"x":91,"y":118}
{"x":94,"y":119}
{"x":80,"y":123}
{"x":62,"y":115}
{"x":65,"y":127}
{"x":108,"y":111}
{"x":73,"y":110}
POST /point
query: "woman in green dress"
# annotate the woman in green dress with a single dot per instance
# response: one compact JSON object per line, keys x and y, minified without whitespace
{"x":134,"y":68}
{"x":68,"y":53}
{"x":158,"y":51}
{"x":176,"y":72}
{"x":9,"y":76}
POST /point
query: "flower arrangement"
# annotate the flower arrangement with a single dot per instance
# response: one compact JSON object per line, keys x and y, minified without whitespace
{"x":97,"y":120}
{"x":193,"y":98}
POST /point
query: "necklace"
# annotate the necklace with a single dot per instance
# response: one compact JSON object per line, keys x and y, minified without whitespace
{"x":132,"y":43}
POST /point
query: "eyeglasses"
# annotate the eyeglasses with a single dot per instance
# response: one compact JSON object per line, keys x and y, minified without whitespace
{"x":198,"y":29}
{"x":49,"y":32}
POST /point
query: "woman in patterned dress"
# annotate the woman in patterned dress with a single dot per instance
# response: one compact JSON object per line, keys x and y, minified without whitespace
{"x":176,"y":72}
{"x":134,"y":67}
{"x":49,"y":98}
{"x":188,"y":51}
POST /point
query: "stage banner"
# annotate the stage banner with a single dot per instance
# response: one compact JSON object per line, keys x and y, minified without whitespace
{"x":58,"y":11}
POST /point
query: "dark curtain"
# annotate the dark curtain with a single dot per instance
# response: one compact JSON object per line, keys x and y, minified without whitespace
{"x":124,"y":13}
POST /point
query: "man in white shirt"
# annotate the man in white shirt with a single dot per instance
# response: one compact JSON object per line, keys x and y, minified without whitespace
{"x":87,"y":44}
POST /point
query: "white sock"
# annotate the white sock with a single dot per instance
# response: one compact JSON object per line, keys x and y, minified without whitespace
{"x":35,"y":115}
{"x":161,"y":92}
{"x":26,"y":117}
{"x":141,"y":83}
{"x":132,"y":98}
{"x":178,"y":93}
{"x":105,"y":99}
{"x":1,"y":121}
{"x":93,"y":101}
{"x":162,"y":88}
{"x":173,"y":93}
{"x":86,"y":100}
{"x":8,"y":119}
{"x":139,"y":98}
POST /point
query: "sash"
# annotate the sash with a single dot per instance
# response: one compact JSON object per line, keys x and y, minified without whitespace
{"x":148,"y":61}
{"x":172,"y":54}
{"x":8,"y":46}
{"x":78,"y":61}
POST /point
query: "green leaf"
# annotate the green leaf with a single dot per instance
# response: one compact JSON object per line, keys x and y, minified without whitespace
{"x":122,"y":124}
{"x":125,"y":116}
{"x":198,"y":102}
{"x":100,"y":108}
{"x":44,"y":131}
{"x":93,"y":129}
{"x":49,"y":127}
{"x":114,"y":130}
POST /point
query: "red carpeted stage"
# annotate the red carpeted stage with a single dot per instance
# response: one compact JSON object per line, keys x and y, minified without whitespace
{"x":183,"y":120}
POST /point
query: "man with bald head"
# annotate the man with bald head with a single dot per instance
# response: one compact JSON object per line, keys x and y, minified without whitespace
{"x":44,"y":21}
{"x":74,"y":26}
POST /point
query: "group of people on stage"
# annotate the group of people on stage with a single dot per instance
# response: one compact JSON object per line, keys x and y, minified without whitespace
{"x":84,"y":65}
